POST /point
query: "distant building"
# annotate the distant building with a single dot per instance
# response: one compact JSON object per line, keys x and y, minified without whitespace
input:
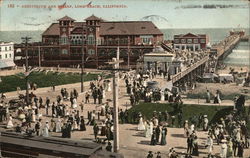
{"x":191,"y":42}
{"x":63,"y":42}
{"x":158,"y":60}
{"x":6,"y":55}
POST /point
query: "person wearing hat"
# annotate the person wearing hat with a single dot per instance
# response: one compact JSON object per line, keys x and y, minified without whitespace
{"x":164,"y":135}
{"x":37,"y":128}
{"x":208,"y":97}
{"x":150,"y":154}
{"x":158,"y":154}
{"x":141,"y":126}
{"x":209,"y":145}
{"x":10,"y":123}
{"x":229,"y":147}
{"x":109,"y":147}
{"x":153,"y":138}
{"x":205,"y":123}
{"x":223,"y":152}
{"x":240,"y":149}
{"x":18,"y":128}
{"x":46,"y":129}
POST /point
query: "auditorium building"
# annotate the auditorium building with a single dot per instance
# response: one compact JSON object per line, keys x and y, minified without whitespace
{"x":64,"y":42}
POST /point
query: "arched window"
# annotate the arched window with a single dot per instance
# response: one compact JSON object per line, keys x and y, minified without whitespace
{"x":91,"y":52}
{"x":91,"y":39}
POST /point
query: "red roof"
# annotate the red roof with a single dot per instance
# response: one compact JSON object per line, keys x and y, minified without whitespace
{"x":190,"y":35}
{"x":66,"y":18}
{"x":53,"y":29}
{"x":92,"y":17}
{"x":129,"y":28}
{"x":112,"y":28}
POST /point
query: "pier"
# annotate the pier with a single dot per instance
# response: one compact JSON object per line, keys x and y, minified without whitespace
{"x":220,"y":50}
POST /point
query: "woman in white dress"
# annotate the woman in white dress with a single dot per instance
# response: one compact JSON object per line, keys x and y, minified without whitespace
{"x":162,"y":95}
{"x":109,"y":86}
{"x":10,"y":123}
{"x":223,"y":152}
{"x":141,"y":126}
{"x":74,"y":103}
{"x":46,"y":130}
{"x":58,"y":124}
{"x":75,"y":126}
{"x":147,"y":129}
{"x":192,"y":128}
{"x":103,"y":94}
{"x":33,"y":116}
{"x":151,"y":126}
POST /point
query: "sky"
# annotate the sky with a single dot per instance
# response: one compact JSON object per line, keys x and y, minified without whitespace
{"x":164,"y":13}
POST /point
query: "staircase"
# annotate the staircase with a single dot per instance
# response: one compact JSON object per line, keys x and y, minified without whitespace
{"x":166,"y":47}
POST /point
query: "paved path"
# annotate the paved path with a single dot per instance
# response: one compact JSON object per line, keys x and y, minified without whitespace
{"x":132,"y":142}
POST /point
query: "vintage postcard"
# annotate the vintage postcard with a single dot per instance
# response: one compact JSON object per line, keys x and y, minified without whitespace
{"x":125,"y":78}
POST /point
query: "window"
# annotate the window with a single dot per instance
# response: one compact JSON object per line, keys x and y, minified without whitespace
{"x":9,"y":55}
{"x":183,"y":40}
{"x":0,"y":49}
{"x":6,"y":55}
{"x":146,"y":39}
{"x":64,"y":40}
{"x":9,"y":48}
{"x":203,"y":41}
{"x":196,"y":40}
{"x":176,"y":40}
{"x":91,"y":40}
{"x":91,"y":52}
{"x":189,"y":40}
{"x":5,"y":48}
{"x":64,"y":51}
{"x":0,"y":56}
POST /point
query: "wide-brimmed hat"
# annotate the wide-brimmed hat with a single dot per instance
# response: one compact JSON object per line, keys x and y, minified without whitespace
{"x":223,"y":140}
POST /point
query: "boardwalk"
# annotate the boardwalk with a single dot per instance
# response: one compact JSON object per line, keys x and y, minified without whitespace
{"x":222,"y":49}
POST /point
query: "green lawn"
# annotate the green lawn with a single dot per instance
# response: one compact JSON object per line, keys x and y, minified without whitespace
{"x":9,"y":83}
{"x":189,"y":111}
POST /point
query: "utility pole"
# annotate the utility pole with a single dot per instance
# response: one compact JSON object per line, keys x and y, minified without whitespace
{"x":82,"y":64}
{"x":26,"y":40}
{"x":128,"y":52}
{"x":115,"y":64}
{"x":115,"y":102}
{"x":39,"y":57}
{"x":0,"y":147}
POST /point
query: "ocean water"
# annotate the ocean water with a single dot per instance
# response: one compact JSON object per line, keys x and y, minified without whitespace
{"x":240,"y":55}
{"x":15,"y":36}
{"x":215,"y":35}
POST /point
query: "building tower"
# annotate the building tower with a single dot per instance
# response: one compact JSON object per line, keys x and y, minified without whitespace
{"x":93,"y":36}
{"x":66,"y":25}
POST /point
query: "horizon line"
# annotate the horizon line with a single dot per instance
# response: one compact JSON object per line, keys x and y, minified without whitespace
{"x":163,"y":28}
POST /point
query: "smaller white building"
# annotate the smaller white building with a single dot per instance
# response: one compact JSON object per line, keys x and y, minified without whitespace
{"x":6,"y":55}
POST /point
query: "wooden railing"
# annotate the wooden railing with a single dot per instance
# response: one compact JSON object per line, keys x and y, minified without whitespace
{"x":181,"y":74}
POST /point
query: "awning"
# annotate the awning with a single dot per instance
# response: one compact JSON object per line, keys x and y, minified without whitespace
{"x":6,"y":63}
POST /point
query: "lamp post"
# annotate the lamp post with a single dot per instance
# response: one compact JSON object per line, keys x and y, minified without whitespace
{"x":82,"y":61}
{"x":26,"y":40}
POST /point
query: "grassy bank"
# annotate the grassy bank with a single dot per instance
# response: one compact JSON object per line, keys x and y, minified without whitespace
{"x":42,"y":79}
{"x":190,"y":112}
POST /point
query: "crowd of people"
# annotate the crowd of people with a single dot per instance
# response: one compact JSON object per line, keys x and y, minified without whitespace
{"x":44,"y":117}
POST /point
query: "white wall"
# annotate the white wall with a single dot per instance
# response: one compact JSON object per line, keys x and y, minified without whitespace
{"x":6,"y":51}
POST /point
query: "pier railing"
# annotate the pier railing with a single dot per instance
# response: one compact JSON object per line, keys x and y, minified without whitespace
{"x":181,"y":74}
{"x":221,"y":48}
